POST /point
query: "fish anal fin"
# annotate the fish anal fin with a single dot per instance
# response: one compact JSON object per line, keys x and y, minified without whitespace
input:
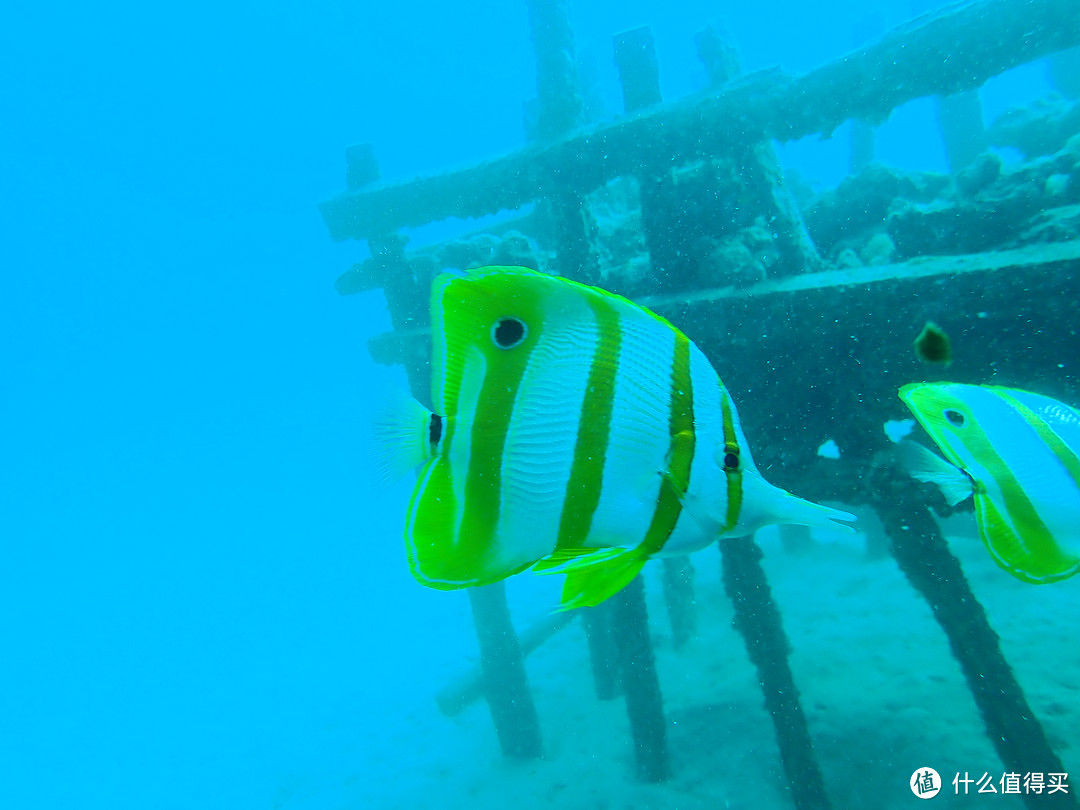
{"x":588,"y":586}
{"x":564,"y":560}
{"x":1036,"y":560}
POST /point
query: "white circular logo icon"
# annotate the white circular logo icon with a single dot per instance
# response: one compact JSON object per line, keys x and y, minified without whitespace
{"x":925,"y":783}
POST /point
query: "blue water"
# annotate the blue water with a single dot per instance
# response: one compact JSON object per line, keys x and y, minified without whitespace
{"x":203,"y":595}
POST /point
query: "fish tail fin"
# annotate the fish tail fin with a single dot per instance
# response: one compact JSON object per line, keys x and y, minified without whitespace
{"x":925,"y":465}
{"x":401,"y":435}
{"x":764,"y":504}
{"x":800,"y":512}
{"x":592,"y":575}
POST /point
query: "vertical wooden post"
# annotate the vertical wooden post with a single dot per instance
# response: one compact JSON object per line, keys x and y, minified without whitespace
{"x":959,"y":116}
{"x":559,"y":107}
{"x":406,"y":301}
{"x":795,"y":539}
{"x":760,"y":167}
{"x":868,"y":27}
{"x":506,"y":685}
{"x":1065,"y":72}
{"x":639,"y":75}
{"x":559,"y":110}
{"x":502,"y":661}
{"x":924,"y":557}
{"x":644,"y":703}
{"x":635,"y":57}
{"x":603,"y":656}
{"x":962,"y":129}
{"x":361,"y":167}
{"x":457,"y":695}
{"x":862,"y":145}
{"x":388,"y":268}
{"x":679,"y":598}
{"x":757,"y":619}
{"x":716,"y":54}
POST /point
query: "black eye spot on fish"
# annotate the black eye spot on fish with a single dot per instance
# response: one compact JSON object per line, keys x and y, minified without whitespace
{"x":731,"y":457}
{"x":435,"y":429}
{"x":508,"y":332}
{"x":955,"y":418}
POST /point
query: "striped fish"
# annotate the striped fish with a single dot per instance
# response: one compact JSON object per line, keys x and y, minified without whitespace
{"x":575,"y":433}
{"x":1018,"y":453}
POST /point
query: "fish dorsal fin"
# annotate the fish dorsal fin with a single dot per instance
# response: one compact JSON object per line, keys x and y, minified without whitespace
{"x":925,"y":465}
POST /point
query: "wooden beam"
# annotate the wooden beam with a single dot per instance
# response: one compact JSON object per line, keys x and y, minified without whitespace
{"x":924,"y":557}
{"x":955,"y":49}
{"x":456,"y":696}
{"x":389,"y":348}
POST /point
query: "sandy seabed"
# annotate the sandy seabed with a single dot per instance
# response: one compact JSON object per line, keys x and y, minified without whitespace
{"x":882,"y":693}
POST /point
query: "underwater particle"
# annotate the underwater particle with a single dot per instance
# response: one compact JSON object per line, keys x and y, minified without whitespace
{"x":932,"y":345}
{"x":829,"y":449}
{"x":897,"y":429}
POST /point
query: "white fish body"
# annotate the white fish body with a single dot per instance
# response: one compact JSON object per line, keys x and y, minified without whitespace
{"x":1020,"y":454}
{"x":578,"y":433}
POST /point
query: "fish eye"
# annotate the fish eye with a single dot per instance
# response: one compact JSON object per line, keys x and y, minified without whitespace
{"x":955,"y":418}
{"x":508,"y":332}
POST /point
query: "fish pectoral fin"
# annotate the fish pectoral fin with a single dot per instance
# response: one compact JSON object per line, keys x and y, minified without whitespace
{"x":564,"y":560}
{"x":400,"y":433}
{"x":592,"y":585}
{"x":925,"y":465}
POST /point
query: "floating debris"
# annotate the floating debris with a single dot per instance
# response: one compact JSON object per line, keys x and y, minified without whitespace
{"x":829,"y":449}
{"x":933,"y":345}
{"x":897,"y":429}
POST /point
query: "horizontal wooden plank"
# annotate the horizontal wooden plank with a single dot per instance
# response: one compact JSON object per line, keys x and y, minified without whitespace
{"x":955,"y":49}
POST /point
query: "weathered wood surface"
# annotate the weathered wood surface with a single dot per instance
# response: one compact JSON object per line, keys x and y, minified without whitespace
{"x":678,"y":579}
{"x":757,"y":618}
{"x":456,"y":696}
{"x":827,"y":361}
{"x":506,"y":686}
{"x":925,"y":558}
{"x":956,"y":49}
{"x":389,"y":348}
{"x":603,"y":656}
{"x":640,"y":683}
